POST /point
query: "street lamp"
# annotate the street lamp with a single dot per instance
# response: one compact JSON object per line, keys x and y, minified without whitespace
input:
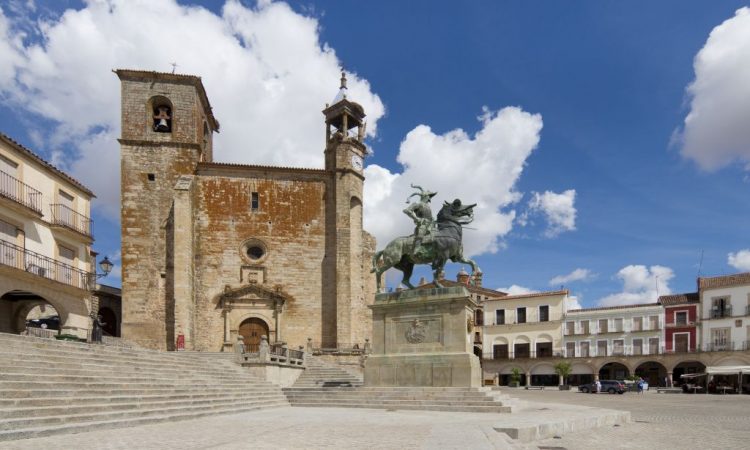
{"x":96,"y":331}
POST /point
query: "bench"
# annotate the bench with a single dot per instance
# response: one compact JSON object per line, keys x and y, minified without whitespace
{"x":535,"y":387}
{"x":666,"y":390}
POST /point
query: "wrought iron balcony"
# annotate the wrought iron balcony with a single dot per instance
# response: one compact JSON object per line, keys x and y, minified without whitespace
{"x":63,"y":216}
{"x":18,"y":257}
{"x":717,"y":313}
{"x":20,"y":192}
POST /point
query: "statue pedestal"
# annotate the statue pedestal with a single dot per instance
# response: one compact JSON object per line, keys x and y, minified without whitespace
{"x":422,"y":337}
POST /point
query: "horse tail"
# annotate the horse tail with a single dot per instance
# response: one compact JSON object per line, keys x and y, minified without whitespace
{"x":375,"y":259}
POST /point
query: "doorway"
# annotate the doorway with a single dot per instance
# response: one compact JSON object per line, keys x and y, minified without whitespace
{"x":251,"y":331}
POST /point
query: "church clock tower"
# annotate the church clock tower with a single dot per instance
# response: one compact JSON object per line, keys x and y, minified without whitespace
{"x":344,"y":265}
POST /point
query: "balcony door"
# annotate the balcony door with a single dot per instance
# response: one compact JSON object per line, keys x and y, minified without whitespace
{"x":8,"y":177}
{"x":66,"y":209}
{"x":681,"y":342}
{"x":9,"y":255}
{"x":65,"y":272}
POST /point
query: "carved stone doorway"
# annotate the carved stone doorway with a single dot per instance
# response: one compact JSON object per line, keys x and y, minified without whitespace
{"x":251,"y":330}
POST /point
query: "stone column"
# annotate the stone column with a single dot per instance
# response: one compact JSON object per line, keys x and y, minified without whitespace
{"x":227,"y":326}
{"x":183,"y":260}
{"x":596,"y":377}
{"x":279,"y":309}
{"x":528,"y":378}
{"x":561,"y":380}
{"x":670,"y":382}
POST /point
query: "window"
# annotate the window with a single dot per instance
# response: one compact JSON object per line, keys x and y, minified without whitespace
{"x":720,"y":307}
{"x":637,"y":346}
{"x":520,"y":315}
{"x":618,"y":325}
{"x":584,"y":327}
{"x":65,"y":270}
{"x":720,"y":339}
{"x":653,"y":322}
{"x":151,"y":177}
{"x":637,"y":323}
{"x":570,"y":349}
{"x":500,"y":317}
{"x":500,"y":351}
{"x":254,"y":201}
{"x":570,"y":328}
{"x":8,"y":166}
{"x":584,"y":347}
{"x":544,"y":313}
{"x":681,"y":318}
{"x":479,"y":317}
{"x":618,"y":347}
{"x":653,"y":346}
{"x":603,"y":328}
{"x":601,"y":348}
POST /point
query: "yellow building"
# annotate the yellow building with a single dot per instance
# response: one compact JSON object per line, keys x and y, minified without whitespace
{"x":523,"y":327}
{"x":45,"y":243}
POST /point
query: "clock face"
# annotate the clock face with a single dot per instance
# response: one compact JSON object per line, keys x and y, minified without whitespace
{"x":356,"y":162}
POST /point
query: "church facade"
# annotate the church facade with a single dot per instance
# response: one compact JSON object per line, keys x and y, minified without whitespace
{"x":212,"y":251}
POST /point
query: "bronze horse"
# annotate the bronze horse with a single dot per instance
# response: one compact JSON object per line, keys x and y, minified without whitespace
{"x":436,"y":249}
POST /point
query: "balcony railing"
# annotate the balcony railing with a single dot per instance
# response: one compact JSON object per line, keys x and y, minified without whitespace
{"x":522,"y":355}
{"x":679,"y":325}
{"x":14,"y":256}
{"x":64,"y":216}
{"x":721,"y":313}
{"x":20,"y":192}
{"x":550,"y":318}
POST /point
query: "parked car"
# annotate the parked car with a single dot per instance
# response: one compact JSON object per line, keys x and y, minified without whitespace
{"x":50,"y":323}
{"x":611,"y":386}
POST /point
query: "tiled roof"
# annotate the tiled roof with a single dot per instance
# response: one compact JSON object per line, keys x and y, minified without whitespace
{"x":604,"y":308}
{"x":724,"y":281}
{"x":679,"y":299}
{"x":46,"y":164}
{"x":216,"y":165}
{"x":173,"y":77}
{"x":535,"y":294}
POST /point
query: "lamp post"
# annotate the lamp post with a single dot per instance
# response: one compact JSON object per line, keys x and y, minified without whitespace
{"x":106,"y":267}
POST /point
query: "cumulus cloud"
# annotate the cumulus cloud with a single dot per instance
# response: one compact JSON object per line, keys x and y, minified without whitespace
{"x":481,"y":169}
{"x":715,"y":132}
{"x":558,"y":209}
{"x":740,"y":260}
{"x":517,"y":290}
{"x":641,"y":284}
{"x":572,"y":303}
{"x":259,"y":65}
{"x":576,"y":275}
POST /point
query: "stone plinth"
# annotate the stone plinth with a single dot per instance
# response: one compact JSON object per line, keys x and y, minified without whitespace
{"x":421,"y":337}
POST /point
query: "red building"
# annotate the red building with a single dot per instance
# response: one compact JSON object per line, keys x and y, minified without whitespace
{"x":680,"y":322}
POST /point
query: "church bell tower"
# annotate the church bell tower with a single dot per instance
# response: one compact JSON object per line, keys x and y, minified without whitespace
{"x":343,"y":274}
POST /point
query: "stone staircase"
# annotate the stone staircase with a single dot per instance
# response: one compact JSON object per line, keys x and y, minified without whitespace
{"x":49,"y":387}
{"x":319,"y":373}
{"x":326,"y":385}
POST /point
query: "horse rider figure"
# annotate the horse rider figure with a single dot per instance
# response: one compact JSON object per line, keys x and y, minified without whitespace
{"x":421,"y":213}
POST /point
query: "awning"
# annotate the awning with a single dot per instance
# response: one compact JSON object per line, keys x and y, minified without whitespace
{"x":727,"y":370}
{"x":693,"y":375}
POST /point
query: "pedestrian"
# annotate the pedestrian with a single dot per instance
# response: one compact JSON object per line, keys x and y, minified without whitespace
{"x":640,"y":385}
{"x":598,"y":386}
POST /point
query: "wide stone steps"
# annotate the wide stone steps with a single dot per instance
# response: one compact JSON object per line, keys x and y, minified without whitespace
{"x":319,"y":374}
{"x":411,"y":398}
{"x":49,"y":387}
{"x":35,"y":402}
{"x":121,"y":422}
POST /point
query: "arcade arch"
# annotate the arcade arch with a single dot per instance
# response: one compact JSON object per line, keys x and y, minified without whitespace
{"x":653,"y":372}
{"x":17,"y":307}
{"x":613,"y":371}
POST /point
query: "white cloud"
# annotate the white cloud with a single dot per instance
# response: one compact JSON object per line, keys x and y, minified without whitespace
{"x":264,"y":68}
{"x":481,"y":169}
{"x":517,"y":290}
{"x":715,"y":132}
{"x":641,"y":284}
{"x":558,"y":209}
{"x":572,"y":303}
{"x":740,"y":260}
{"x":576,"y":275}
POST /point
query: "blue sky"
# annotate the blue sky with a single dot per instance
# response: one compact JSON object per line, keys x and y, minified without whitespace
{"x":607,"y":79}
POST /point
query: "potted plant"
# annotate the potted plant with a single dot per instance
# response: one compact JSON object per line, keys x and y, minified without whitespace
{"x":563,"y":369}
{"x":515,"y":377}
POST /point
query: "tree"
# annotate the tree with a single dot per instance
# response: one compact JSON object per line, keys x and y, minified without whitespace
{"x":563,"y":369}
{"x":515,"y":376}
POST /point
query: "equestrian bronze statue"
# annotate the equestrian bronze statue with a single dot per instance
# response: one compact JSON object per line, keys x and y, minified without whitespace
{"x":434,"y":242}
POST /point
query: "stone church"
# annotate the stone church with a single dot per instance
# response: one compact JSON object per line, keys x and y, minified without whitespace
{"x":212,"y":251}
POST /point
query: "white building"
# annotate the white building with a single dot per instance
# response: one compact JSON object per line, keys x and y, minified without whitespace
{"x":725,"y":311}
{"x":45,"y":242}
{"x":614,"y":331}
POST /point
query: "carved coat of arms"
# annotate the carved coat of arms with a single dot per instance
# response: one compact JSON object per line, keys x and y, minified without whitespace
{"x":416,"y":332}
